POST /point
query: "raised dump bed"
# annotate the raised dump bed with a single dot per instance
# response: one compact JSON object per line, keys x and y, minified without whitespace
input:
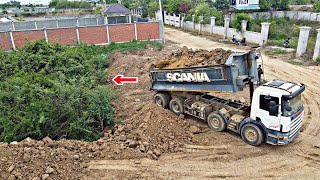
{"x":204,"y":71}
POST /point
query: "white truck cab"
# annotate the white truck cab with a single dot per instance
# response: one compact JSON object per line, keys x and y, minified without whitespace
{"x":277,"y":106}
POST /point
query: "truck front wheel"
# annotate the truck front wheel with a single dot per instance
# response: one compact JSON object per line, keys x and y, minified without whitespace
{"x":252,"y":134}
{"x":161,"y":99}
{"x":216,"y":122}
{"x":176,"y":106}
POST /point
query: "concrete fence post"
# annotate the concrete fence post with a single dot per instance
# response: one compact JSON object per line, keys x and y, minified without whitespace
{"x":57,"y":23}
{"x":226,"y":27}
{"x":13,"y":28}
{"x":35,"y":24}
{"x":77,"y":18}
{"x":108,"y":35}
{"x":212,"y":24}
{"x":135,"y":30}
{"x":303,"y":40}
{"x":182,"y":22}
{"x":264,"y":33}
{"x":200,"y":26}
{"x":46,"y":34}
{"x":78,"y":35}
{"x":244,"y":24}
{"x":12,"y":40}
{"x":316,"y":54}
{"x":193,"y":22}
{"x":97,"y":20}
{"x":179,"y":16}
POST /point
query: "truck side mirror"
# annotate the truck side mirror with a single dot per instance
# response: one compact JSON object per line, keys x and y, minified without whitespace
{"x":287,"y":108}
{"x":273,"y":108}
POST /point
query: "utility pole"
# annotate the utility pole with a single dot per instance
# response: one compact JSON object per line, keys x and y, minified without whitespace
{"x":161,"y":21}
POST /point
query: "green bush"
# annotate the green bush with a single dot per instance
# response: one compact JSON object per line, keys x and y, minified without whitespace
{"x":56,"y":91}
{"x":236,"y":22}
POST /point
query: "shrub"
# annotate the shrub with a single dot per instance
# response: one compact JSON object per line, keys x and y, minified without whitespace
{"x":236,"y":22}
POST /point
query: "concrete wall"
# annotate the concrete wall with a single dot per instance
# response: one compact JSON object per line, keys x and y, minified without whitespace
{"x":101,"y":34}
{"x":52,"y":23}
{"x":294,"y":15}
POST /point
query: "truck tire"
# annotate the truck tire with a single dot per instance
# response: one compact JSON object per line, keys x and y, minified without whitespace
{"x":176,"y":105}
{"x":162,"y":99}
{"x":252,"y":134}
{"x":216,"y":122}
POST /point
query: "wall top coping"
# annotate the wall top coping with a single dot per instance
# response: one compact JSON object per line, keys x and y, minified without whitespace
{"x":305,"y":28}
{"x":212,"y":17}
{"x":265,"y":23}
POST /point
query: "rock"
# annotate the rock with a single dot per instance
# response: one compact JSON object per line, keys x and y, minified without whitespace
{"x":132,"y":144}
{"x":123,"y":138}
{"x":44,"y":176}
{"x":14,"y":143}
{"x":154,"y":156}
{"x":149,"y":152}
{"x":47,"y":140}
{"x":157,"y":152}
{"x":194,"y":130}
{"x":11,"y":168}
{"x":12,"y":177}
{"x":146,"y":144}
{"x":76,"y":157}
{"x":242,"y":100}
{"x":100,"y":141}
{"x":49,"y":170}
{"x":120,"y":128}
{"x":137,"y":100}
{"x":181,"y":116}
{"x":142,"y":148}
{"x":36,"y":178}
{"x":137,"y":162}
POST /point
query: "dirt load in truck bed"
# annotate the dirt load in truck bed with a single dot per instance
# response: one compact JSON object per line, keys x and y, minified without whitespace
{"x":185,"y":57}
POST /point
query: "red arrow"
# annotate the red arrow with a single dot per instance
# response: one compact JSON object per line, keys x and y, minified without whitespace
{"x":120,"y":80}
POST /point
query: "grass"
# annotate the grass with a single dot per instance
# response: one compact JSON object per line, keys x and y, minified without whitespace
{"x":293,"y":62}
{"x":132,"y":46}
{"x":276,"y":52}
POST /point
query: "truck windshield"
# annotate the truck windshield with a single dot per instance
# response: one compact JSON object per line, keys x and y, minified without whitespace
{"x":295,"y":103}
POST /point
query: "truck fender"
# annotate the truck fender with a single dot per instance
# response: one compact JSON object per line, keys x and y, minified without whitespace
{"x":257,"y":123}
{"x":223,"y":116}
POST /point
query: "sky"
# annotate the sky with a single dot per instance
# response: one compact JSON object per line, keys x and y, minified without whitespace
{"x":28,"y":1}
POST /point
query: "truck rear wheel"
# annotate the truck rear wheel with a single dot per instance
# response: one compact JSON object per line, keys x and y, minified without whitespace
{"x":176,"y":106}
{"x":161,"y":99}
{"x":216,"y":122}
{"x":252,"y":134}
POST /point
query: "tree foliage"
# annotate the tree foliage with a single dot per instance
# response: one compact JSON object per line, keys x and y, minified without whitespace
{"x":316,"y":6}
{"x":185,"y":6}
{"x":221,"y":4}
{"x":61,"y":4}
{"x":236,"y":22}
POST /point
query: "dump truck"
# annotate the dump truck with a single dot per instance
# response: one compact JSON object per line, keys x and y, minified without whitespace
{"x":275,"y":112}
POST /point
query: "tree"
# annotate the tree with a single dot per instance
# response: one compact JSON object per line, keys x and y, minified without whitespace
{"x":53,"y":3}
{"x":264,"y":4}
{"x":152,"y":8}
{"x":173,"y":6}
{"x":221,"y":4}
{"x":316,"y":6}
{"x":185,"y":6}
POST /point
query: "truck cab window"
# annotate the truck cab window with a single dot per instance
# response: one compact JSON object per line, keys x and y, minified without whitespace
{"x":264,"y":103}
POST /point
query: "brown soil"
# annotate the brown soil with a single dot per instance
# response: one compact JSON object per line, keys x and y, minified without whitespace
{"x":153,"y":143}
{"x":185,"y":57}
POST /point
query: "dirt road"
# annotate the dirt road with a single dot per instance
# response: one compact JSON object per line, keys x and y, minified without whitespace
{"x":225,"y":155}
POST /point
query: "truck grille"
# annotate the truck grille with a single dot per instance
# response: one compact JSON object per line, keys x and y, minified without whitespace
{"x":296,"y":125}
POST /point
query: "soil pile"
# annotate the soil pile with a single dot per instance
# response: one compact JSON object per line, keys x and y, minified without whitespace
{"x":187,"y":57}
{"x":154,"y":131}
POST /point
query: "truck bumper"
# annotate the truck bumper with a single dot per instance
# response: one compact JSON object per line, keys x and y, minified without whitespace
{"x":279,"y":138}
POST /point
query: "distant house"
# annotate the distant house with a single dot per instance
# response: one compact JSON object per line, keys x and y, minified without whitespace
{"x":117,"y":13}
{"x":245,"y":4}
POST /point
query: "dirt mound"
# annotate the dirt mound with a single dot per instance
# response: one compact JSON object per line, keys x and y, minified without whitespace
{"x":187,"y":57}
{"x":154,"y":131}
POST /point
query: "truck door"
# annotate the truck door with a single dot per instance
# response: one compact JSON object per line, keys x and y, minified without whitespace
{"x":271,"y":121}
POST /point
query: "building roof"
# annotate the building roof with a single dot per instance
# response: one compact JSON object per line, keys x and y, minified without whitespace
{"x":116,"y":9}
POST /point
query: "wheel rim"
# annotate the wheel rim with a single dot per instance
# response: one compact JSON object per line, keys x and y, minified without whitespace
{"x":215,"y":123}
{"x":158,"y":101}
{"x":176,"y":107}
{"x":251,"y":135}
